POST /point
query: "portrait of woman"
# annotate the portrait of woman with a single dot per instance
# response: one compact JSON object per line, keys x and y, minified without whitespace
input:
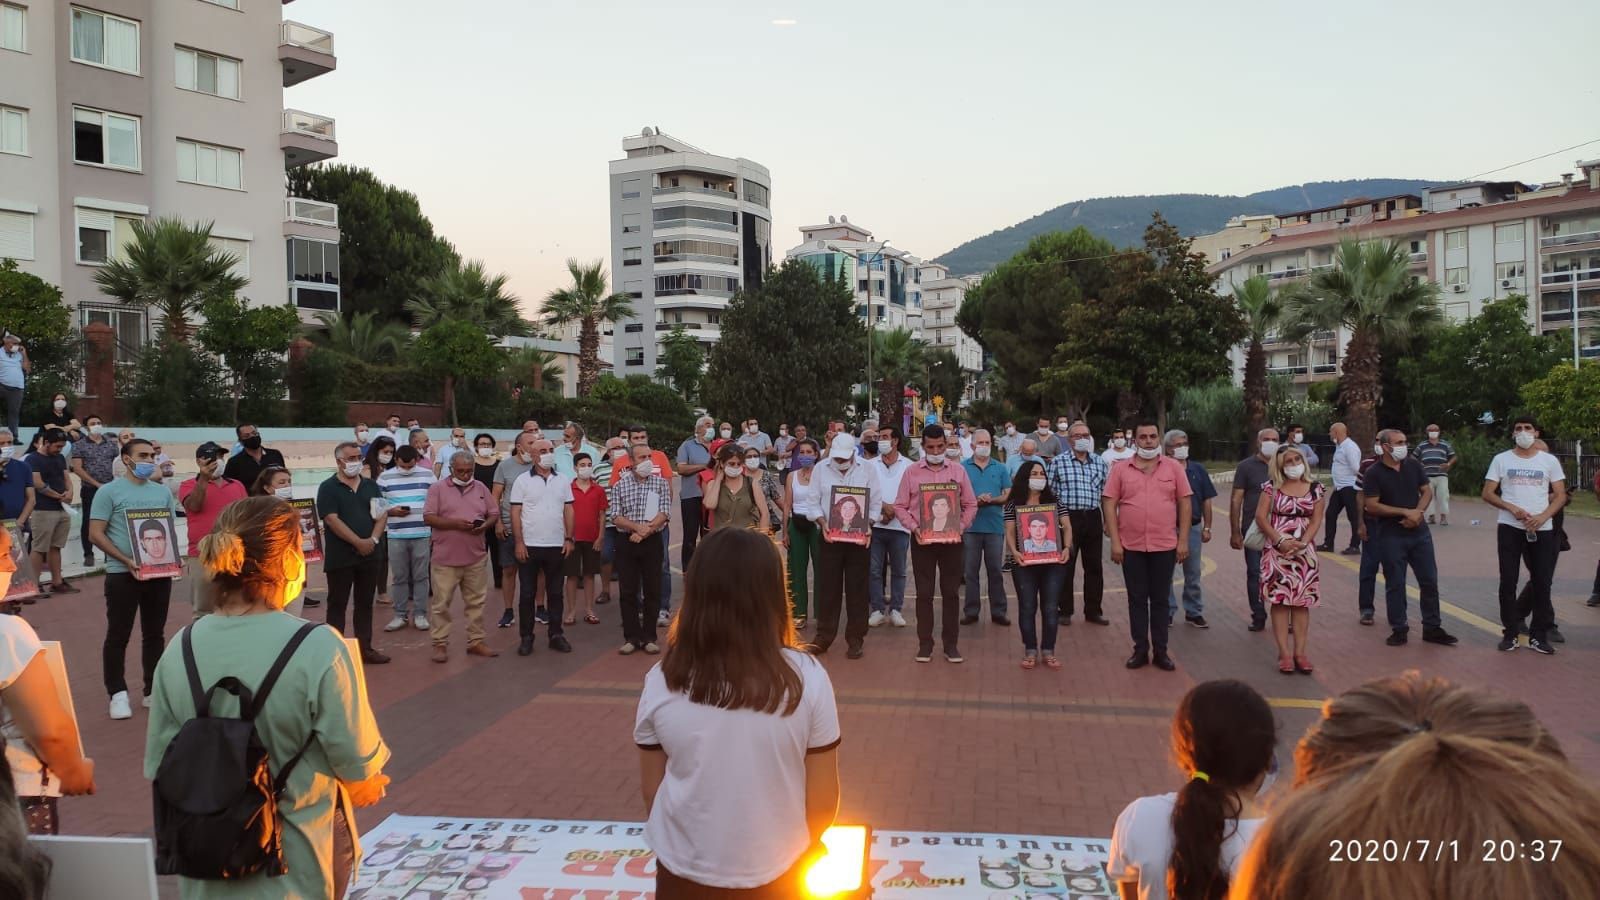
{"x":941,"y":518}
{"x":846,"y":515}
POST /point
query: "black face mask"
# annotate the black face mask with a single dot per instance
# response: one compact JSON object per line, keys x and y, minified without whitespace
{"x":869,"y":448}
{"x":253,"y":442}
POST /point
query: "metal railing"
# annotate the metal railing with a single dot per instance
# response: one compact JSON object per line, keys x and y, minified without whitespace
{"x":309,"y":124}
{"x":1561,"y":240}
{"x":312,"y":212}
{"x":695,"y":223}
{"x":715,"y":192}
{"x":296,"y":34}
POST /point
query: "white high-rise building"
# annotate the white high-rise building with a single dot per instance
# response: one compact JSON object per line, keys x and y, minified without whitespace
{"x":883,"y":278}
{"x":689,"y":229}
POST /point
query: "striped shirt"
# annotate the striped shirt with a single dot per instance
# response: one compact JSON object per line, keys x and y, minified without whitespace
{"x":407,"y":489}
{"x":1078,"y":486}
{"x":1434,"y":456}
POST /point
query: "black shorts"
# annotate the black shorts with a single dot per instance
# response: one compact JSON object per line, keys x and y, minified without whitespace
{"x":582,"y":561}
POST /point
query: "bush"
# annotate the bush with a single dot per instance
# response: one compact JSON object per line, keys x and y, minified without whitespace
{"x":1324,"y":392}
{"x":362,"y":380}
{"x":175,"y":384}
{"x":321,"y":391}
{"x":1210,"y":412}
{"x":1473,"y":453}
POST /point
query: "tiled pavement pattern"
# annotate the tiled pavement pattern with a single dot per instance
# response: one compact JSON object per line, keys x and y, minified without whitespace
{"x":983,"y":746}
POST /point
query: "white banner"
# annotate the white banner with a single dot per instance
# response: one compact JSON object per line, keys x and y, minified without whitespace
{"x":542,"y":859}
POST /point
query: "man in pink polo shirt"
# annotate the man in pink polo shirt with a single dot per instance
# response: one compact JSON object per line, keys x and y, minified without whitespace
{"x":936,"y":553}
{"x":1146,"y":507}
{"x":204,"y":497}
{"x":459,"y":509}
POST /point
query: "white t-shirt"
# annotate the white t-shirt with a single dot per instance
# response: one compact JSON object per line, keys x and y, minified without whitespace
{"x":1141,"y":844}
{"x":889,"y":480}
{"x":18,"y":646}
{"x":1112,"y":454}
{"x":731,"y":811}
{"x":543,"y":501}
{"x":1525,"y":483}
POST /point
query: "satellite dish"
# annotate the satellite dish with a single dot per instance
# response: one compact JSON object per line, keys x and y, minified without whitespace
{"x":831,"y":220}
{"x":646,"y":132}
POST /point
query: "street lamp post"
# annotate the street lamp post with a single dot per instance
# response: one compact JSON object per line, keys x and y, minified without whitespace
{"x":882,"y":246}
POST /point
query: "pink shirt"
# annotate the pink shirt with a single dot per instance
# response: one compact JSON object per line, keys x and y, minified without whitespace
{"x":453,"y":547}
{"x":909,"y":512}
{"x":1148,"y":503}
{"x":219,"y":493}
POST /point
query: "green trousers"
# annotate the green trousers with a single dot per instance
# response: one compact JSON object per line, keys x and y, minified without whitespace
{"x":804,"y":539}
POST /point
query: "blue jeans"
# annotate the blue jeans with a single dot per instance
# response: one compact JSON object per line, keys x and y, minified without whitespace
{"x":984,"y":551}
{"x":1400,"y":547}
{"x":1252,"y":586}
{"x":666,"y":567}
{"x":1367,"y":581}
{"x":1191,"y":580}
{"x":1039,"y":593}
{"x":891,"y":546}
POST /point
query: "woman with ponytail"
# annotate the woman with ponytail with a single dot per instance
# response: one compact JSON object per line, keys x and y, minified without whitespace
{"x":254,"y":558}
{"x":1185,"y":845}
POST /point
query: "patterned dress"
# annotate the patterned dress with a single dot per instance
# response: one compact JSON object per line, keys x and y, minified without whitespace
{"x":1291,"y":580}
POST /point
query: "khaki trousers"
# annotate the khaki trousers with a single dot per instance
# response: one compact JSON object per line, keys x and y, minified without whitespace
{"x":473,"y":580}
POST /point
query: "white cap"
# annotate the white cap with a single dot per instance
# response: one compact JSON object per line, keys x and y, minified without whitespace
{"x":844,"y":446}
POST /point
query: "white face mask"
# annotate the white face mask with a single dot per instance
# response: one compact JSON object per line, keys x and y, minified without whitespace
{"x":1524,"y":439}
{"x":1120,"y":443}
{"x":1083,"y":445}
{"x":1377,"y":449}
{"x":386,"y":458}
{"x":1044,"y":429}
{"x":460,"y":482}
{"x":619,"y":454}
{"x":7,"y":451}
{"x":1063,"y":425}
{"x":727,"y":433}
{"x":405,"y":468}
{"x":1180,"y":453}
{"x":526,"y":458}
{"x":585,"y":471}
{"x":458,"y":442}
{"x":645,"y":468}
{"x":709,"y":434}
{"x":283,"y":493}
{"x":60,"y":405}
{"x":952,"y":453}
{"x":1297,"y":438}
{"x":1149,"y":452}
{"x":1037,"y":484}
{"x":783,"y":432}
{"x":753,"y":463}
{"x":733,"y":470}
{"x":754,"y":428}
{"x":1294,"y":471}
{"x":982,"y":451}
{"x":842,"y":465}
{"x":1399,"y":452}
{"x":1433,"y":435}
{"x":885,"y":448}
{"x":352,"y":469}
{"x":547,"y":460}
{"x":1011,"y":430}
{"x":485,"y":452}
{"x":1268,"y":448}
{"x":96,"y":429}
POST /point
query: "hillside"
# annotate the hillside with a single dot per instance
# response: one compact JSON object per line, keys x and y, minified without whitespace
{"x":1122,"y":220}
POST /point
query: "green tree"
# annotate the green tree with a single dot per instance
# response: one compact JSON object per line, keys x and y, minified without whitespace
{"x":790,"y":350}
{"x":387,"y":247}
{"x":587,"y":302}
{"x":171,"y":269}
{"x":898,"y":360}
{"x":942,"y":377}
{"x":176,"y":384}
{"x":1566,"y":401}
{"x":363,"y":336}
{"x":1262,"y":311}
{"x":1209,"y":411}
{"x":534,"y":369}
{"x":320,"y":389}
{"x":31,"y":308}
{"x":456,"y":351}
{"x":251,"y":342}
{"x":682,"y":362}
{"x":1478,"y":366}
{"x":466,"y":292}
{"x":1370,"y":292}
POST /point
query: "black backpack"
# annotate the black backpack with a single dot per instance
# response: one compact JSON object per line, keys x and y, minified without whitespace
{"x":216,"y":800}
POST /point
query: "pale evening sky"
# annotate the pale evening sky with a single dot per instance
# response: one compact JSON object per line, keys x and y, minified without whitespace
{"x":932,"y":122}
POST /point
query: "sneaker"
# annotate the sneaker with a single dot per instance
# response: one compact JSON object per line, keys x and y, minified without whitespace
{"x":1395,"y":638}
{"x":627,"y":649}
{"x":507,"y":619}
{"x":1439,"y":636}
{"x":954,"y":655}
{"x":1004,"y":622}
{"x":1366,"y":618}
{"x":311,"y":603}
{"x":479,"y":649}
{"x":1259,"y":625}
{"x":1506,"y":645}
{"x":1555,"y":636}
{"x":1097,"y":620}
{"x":1594,"y":599}
{"x":420,"y":623}
{"x":1539,"y":646}
{"x":374,"y":657}
{"x":1350,"y":551}
{"x":896,"y":619}
{"x":441,"y":653}
{"x":542,"y":616}
{"x":119,"y":706}
{"x":969,"y":619}
{"x":925,"y":654}
{"x":664,"y":619}
{"x":855,"y":652}
{"x":652,"y":648}
{"x":1197,"y":621}
{"x":145,"y":702}
{"x":877,"y":618}
{"x":560,"y":644}
{"x":395,"y":624}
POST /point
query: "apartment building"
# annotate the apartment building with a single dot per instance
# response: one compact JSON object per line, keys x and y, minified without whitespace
{"x":1480,"y":242}
{"x":1241,"y":233}
{"x":112,"y":111}
{"x":942,"y":298}
{"x":689,"y":229}
{"x":884,"y":279}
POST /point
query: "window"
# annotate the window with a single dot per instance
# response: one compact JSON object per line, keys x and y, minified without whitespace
{"x":630,"y":223}
{"x":705,"y":251}
{"x":207,"y":73}
{"x":13,"y":27}
{"x":1224,"y":253}
{"x":1455,"y":240}
{"x":313,"y":262}
{"x":105,"y":139}
{"x":634,"y":289}
{"x":129,"y":325}
{"x":635,"y":357}
{"x":696,"y":283}
{"x":1454,"y":277}
{"x":13,"y":130}
{"x":240,"y":249}
{"x":102,"y":235}
{"x":16,"y":235}
{"x":700,"y":216}
{"x":214,"y":166}
{"x":1510,"y":270}
{"x":1417,"y":247}
{"x":630,"y":256}
{"x":1508,"y":234}
{"x":760,"y":195}
{"x":630,"y":188}
{"x":633,"y":328}
{"x":105,"y":40}
{"x":231,"y":4}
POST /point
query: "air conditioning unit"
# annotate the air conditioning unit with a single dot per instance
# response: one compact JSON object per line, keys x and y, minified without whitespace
{"x":1508,"y":283}
{"x":1459,"y":288}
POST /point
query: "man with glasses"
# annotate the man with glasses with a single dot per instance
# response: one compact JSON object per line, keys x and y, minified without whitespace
{"x":1078,"y":479}
{"x":637,"y":434}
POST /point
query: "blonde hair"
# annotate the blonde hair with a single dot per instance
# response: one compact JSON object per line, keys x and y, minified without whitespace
{"x":247,"y":551}
{"x":1406,"y":759}
{"x":1275,"y":466}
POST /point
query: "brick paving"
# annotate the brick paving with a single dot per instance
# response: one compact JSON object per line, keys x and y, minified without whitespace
{"x":983,"y":746}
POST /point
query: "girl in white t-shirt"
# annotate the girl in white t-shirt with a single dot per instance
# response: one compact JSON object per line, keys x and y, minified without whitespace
{"x":41,"y":736}
{"x":737,"y":731}
{"x":1186,"y":844}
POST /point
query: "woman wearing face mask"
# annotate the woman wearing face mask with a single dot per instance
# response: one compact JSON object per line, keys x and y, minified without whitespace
{"x":60,"y":416}
{"x":770,"y":488}
{"x":801,"y":534}
{"x":380,"y":458}
{"x":733,"y":500}
{"x":1038,"y":586}
{"x":318,"y":703}
{"x":1289,"y":516}
{"x":274,"y":481}
{"x":1189,"y":843}
{"x":484,"y":463}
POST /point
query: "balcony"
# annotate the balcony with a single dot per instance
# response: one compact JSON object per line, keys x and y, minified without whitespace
{"x":305,"y":52}
{"x":1552,"y":241}
{"x":306,"y":138}
{"x":1419,"y":258}
{"x":307,"y":218}
{"x":713,"y":192}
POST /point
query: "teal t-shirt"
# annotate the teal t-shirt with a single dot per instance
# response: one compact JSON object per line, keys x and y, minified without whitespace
{"x":115,"y":499}
{"x":993,"y":480}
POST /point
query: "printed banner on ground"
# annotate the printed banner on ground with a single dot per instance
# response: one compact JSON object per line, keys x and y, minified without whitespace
{"x":310,"y":528}
{"x":154,"y":542}
{"x":543,"y":859}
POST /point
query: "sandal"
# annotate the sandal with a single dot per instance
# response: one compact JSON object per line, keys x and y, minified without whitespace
{"x":1052,"y":663}
{"x":1285,"y":665}
{"x":603,"y":599}
{"x":1302,"y":665}
{"x":1030,"y":661}
{"x":592,"y":619}
{"x":63,"y":587}
{"x":569,"y":620}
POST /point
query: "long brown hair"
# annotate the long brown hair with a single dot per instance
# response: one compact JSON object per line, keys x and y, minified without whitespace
{"x":24,"y":869}
{"x":1223,"y":735}
{"x":247,"y":551}
{"x":1403,"y":759}
{"x":725,"y":648}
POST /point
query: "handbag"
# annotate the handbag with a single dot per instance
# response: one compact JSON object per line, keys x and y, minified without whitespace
{"x":1254,"y":539}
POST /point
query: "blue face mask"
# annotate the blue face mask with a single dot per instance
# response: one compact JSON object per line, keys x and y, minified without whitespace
{"x":805,"y":462}
{"x":144,"y":470}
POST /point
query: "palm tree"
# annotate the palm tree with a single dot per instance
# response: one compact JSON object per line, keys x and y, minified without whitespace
{"x":172,"y":269}
{"x":1262,"y":312}
{"x":1369,"y":291}
{"x":362,"y":335}
{"x":587,"y":303}
{"x":467,"y":292}
{"x":898,"y":359}
{"x":535,"y":369}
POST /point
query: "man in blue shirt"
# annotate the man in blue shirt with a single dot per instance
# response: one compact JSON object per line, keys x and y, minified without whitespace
{"x":14,"y":369}
{"x":16,"y":482}
{"x":1027,"y":451}
{"x":1177,"y":444}
{"x":984,"y":541}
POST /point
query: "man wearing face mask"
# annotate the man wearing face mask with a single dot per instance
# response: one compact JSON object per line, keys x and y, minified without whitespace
{"x":1053,"y":444}
{"x":246,"y":465}
{"x":1147,"y":514}
{"x":573,"y":442}
{"x":1176,"y":443}
{"x":17,"y":494}
{"x":867,"y":446}
{"x":636,"y":435}
{"x":458,"y":444}
{"x":1027,"y":451}
{"x":1397,"y":495}
{"x":514,"y":466}
{"x":1437,"y":458}
{"x":204,"y":497}
{"x":457,"y":511}
{"x":1009,"y":442}
{"x":935,"y":563}
{"x":1248,"y":478}
{"x":694,"y":457}
{"x":842,"y":568}
{"x":541,"y":542}
{"x":983,"y":543}
{"x":754,"y":437}
{"x":1528,"y":487}
{"x":92,"y":456}
{"x":640,"y":499}
{"x":1346,"y":465}
{"x":1078,"y":479}
{"x":405,"y":487}
{"x":1118,"y":450}
{"x":353,"y":525}
{"x":1297,"y":437}
{"x":891,"y":542}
